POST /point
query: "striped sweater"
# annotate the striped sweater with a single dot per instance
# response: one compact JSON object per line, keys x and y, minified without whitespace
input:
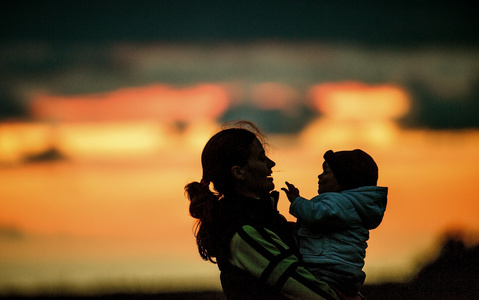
{"x":262,"y":266}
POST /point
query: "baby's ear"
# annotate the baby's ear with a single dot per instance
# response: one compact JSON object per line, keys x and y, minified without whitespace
{"x":237,"y":172}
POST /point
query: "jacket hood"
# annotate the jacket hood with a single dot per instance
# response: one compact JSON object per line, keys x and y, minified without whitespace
{"x":370,"y":203}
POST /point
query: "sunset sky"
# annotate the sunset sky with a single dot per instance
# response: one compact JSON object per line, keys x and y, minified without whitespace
{"x":115,"y":201}
{"x":103,"y":120}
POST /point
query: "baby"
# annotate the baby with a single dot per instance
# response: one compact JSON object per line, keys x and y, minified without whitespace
{"x":334,"y":225}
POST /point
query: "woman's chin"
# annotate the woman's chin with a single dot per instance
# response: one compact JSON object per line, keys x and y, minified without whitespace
{"x":270,"y":186}
{"x":270,"y":183}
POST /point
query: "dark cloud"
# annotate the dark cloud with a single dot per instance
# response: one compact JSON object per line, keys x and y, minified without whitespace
{"x":11,"y":232}
{"x":442,"y":81}
{"x":444,"y":113}
{"x":10,"y":105}
{"x":274,"y":120}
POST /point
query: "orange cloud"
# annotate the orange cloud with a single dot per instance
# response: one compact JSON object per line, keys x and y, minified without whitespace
{"x":357,"y":101}
{"x":354,"y":113}
{"x":273,"y":95}
{"x":157,"y":102}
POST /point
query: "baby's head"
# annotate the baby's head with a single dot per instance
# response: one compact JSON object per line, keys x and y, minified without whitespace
{"x":352,"y":169}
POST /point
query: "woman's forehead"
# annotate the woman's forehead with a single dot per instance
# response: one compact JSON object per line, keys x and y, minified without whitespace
{"x":256,"y":146}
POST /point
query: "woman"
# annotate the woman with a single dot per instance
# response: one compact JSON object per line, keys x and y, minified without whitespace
{"x":239,"y":226}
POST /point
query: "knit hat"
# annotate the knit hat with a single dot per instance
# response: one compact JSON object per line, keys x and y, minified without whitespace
{"x":352,"y":169}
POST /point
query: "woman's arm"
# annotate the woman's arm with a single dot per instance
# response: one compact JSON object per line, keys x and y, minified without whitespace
{"x":261,"y":253}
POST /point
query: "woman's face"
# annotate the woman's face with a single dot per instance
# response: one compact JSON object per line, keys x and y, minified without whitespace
{"x":257,"y":179}
{"x":327,"y":181}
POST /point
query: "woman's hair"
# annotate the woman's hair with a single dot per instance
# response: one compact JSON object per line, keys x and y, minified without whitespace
{"x":227,"y":148}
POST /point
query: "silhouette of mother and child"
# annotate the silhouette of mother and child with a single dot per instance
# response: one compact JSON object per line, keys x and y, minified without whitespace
{"x":259,"y":253}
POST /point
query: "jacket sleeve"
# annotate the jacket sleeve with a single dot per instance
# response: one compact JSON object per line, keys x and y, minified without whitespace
{"x":328,"y":209}
{"x":261,"y":253}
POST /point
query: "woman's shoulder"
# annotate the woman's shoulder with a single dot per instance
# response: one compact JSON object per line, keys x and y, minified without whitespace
{"x":256,"y":239}
{"x":251,"y":227}
{"x":282,"y":233}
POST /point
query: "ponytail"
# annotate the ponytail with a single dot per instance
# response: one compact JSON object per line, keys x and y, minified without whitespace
{"x":203,"y":207}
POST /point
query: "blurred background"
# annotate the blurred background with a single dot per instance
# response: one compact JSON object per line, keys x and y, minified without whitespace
{"x":105,"y":107}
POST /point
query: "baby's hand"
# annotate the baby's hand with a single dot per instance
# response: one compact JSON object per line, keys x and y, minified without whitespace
{"x":291,"y":192}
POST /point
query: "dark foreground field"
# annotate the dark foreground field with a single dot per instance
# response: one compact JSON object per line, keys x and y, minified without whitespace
{"x":453,"y":275}
{"x":371,"y":292}
{"x":468,"y":289}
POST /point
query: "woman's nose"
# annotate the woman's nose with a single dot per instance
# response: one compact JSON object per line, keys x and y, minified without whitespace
{"x":271,"y":163}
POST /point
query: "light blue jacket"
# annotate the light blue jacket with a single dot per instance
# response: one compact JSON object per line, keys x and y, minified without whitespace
{"x":334,"y":228}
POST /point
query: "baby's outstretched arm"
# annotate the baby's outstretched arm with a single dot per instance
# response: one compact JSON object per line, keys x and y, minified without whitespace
{"x":291,"y":192}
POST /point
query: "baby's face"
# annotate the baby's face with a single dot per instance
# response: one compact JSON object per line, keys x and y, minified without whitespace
{"x":327,"y":181}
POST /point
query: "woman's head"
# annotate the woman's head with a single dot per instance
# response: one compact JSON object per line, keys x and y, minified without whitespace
{"x":235,"y":162}
{"x":254,"y":179}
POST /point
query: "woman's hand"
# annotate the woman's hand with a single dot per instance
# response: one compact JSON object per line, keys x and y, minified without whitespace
{"x":291,"y":192}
